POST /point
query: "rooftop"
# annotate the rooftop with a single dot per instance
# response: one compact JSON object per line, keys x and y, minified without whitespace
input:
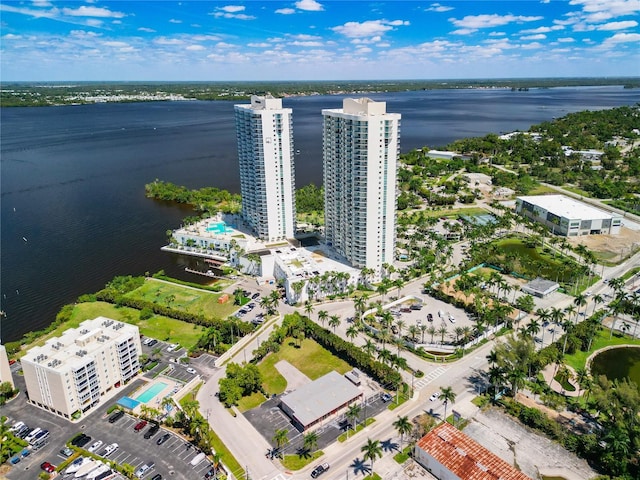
{"x":566,"y":207}
{"x":465,"y":457}
{"x":320,"y":397}
{"x":69,"y":349}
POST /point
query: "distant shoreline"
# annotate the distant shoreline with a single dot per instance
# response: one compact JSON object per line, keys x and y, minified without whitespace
{"x":39,"y":94}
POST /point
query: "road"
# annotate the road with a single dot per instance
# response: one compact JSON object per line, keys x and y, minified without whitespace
{"x":464,"y":377}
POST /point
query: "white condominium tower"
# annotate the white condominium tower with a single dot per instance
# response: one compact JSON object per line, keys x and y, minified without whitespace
{"x":265,"y":153}
{"x":360,"y":152}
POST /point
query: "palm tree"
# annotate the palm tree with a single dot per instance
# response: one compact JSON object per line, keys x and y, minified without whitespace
{"x":280,"y":438}
{"x":442,"y":331}
{"x":308,"y":308}
{"x":597,"y":299}
{"x":516,"y":378}
{"x":371,"y":450}
{"x":431,"y":331}
{"x":334,"y":321}
{"x":403,"y":426}
{"x":310,"y":441}
{"x":447,"y":395}
{"x":322,"y":316}
{"x":352,"y":332}
{"x":423,"y":329}
{"x":353,"y":412}
{"x":369,"y":346}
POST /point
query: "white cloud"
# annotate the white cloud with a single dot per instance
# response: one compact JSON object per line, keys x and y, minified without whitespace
{"x":399,"y":23}
{"x":146,"y":29}
{"x":539,"y":36}
{"x":436,"y":7}
{"x":494,"y":20}
{"x":115,"y":44}
{"x":531,"y":46}
{"x":368,"y":28}
{"x":464,"y":31}
{"x":566,"y":40}
{"x":309,"y":5}
{"x":259,"y":45}
{"x":617,"y":25}
{"x":195,"y":48}
{"x":306,"y":44}
{"x":83,"y":34}
{"x":232,"y":8}
{"x":285,"y":11}
{"x":543,"y":29}
{"x":85,"y":11}
{"x":93,"y":22}
{"x":174,"y":20}
{"x":41,"y":3}
{"x":497,"y":34}
{"x":605,"y":9}
{"x":623,"y":38}
{"x":11,"y":36}
{"x":168,"y":41}
{"x":304,"y":37}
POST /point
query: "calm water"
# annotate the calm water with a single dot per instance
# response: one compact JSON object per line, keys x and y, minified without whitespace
{"x":72,"y":178}
{"x":618,"y":364}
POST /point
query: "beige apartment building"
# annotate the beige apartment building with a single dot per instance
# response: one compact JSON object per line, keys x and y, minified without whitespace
{"x":69,"y":374}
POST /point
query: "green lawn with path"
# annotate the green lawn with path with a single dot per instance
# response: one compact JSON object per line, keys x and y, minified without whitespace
{"x":184,"y":298}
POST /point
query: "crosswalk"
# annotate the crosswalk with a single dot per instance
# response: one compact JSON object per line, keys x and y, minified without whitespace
{"x":428,"y":378}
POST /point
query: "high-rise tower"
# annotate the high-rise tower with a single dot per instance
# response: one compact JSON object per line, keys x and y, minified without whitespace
{"x":360,"y":152}
{"x":265,"y":153}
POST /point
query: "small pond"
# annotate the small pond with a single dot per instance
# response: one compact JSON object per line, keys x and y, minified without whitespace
{"x":618,"y":363}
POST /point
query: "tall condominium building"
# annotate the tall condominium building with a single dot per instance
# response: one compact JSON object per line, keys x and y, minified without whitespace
{"x":360,"y":151}
{"x":69,"y":374}
{"x":265,"y":153}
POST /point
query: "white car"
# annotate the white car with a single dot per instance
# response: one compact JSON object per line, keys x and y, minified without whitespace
{"x":95,"y":446}
{"x":144,"y":469}
{"x":110,"y":449}
{"x":172,"y":347}
{"x":434,"y":396}
{"x":191,"y":370}
{"x":452,"y":319}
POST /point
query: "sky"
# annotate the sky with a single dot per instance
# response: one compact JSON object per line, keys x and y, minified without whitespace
{"x":96,"y":40}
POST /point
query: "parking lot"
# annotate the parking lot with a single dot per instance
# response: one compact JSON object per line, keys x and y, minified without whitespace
{"x":172,"y":458}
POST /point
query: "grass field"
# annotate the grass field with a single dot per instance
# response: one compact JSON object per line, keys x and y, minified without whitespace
{"x":579,"y":359}
{"x":184,"y":298}
{"x":311,"y":359}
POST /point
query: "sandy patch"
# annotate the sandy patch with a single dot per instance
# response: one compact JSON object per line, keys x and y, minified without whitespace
{"x":613,"y":248}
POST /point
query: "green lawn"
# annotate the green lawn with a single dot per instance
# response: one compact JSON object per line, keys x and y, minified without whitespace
{"x":579,"y":359}
{"x":541,"y":190}
{"x":251,"y":401}
{"x":296,"y":462}
{"x":311,"y":359}
{"x":188,"y":299}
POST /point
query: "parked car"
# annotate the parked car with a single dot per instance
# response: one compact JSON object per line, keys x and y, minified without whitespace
{"x":429,"y":317}
{"x":191,"y":370}
{"x":255,"y":295}
{"x":452,"y":319}
{"x":157,"y":476}
{"x":434,"y":396}
{"x":81,"y":440}
{"x":110,"y":449}
{"x":173,"y":347}
{"x":144,"y":469}
{"x":116,"y":416}
{"x":140,"y":425}
{"x":386,"y":397}
{"x":14,"y":460}
{"x":319,"y":470}
{"x":163,"y":439}
{"x":66,"y":452}
{"x":153,"y":342}
{"x":95,"y":446}
{"x":17,"y":426}
{"x":152,"y":431}
{"x":47,"y":467}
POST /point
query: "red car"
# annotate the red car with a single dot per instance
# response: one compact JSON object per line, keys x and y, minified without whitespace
{"x":47,"y":467}
{"x":140,"y":425}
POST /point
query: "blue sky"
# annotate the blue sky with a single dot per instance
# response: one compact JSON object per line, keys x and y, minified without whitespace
{"x":317,"y":39}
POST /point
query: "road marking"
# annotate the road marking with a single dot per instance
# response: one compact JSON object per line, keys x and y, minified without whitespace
{"x":280,"y":476}
{"x":427,"y":379}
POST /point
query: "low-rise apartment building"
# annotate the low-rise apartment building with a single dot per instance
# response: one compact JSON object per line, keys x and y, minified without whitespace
{"x":69,"y":374}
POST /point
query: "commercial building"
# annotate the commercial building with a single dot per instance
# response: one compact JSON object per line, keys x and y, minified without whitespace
{"x":449,"y":454}
{"x":265,"y":154}
{"x":68,"y":375}
{"x":540,"y":287}
{"x":360,"y":152}
{"x":315,"y":401}
{"x":567,"y":217}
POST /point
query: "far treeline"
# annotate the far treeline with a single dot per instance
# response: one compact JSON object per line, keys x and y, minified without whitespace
{"x":35,"y":94}
{"x":523,"y":161}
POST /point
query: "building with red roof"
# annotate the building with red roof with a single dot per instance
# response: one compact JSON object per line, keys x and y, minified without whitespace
{"x":449,"y":454}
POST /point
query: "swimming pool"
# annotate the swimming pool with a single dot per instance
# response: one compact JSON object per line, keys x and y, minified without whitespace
{"x":151,"y":392}
{"x":220,"y":227}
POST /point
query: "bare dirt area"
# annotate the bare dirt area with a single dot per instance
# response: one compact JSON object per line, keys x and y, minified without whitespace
{"x":613,"y":248}
{"x":523,"y":448}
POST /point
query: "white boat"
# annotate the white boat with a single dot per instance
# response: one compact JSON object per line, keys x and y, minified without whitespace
{"x":76,"y":464}
{"x":98,"y":471}
{"x":86,"y":468}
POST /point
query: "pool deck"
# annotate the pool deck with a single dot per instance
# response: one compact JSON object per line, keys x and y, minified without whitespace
{"x":172,"y":387}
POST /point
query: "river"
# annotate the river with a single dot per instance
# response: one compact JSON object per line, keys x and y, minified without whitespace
{"x":73,"y":208}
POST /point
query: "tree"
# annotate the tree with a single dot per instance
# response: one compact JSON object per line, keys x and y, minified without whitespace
{"x":310,"y":441}
{"x":238,"y":296}
{"x":308,"y":308}
{"x":403,"y":426}
{"x":352,"y":332}
{"x":280,"y":438}
{"x":371,"y":450}
{"x":447,"y":395}
{"x":322,"y":316}
{"x":334,"y":322}
{"x":353,"y":412}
